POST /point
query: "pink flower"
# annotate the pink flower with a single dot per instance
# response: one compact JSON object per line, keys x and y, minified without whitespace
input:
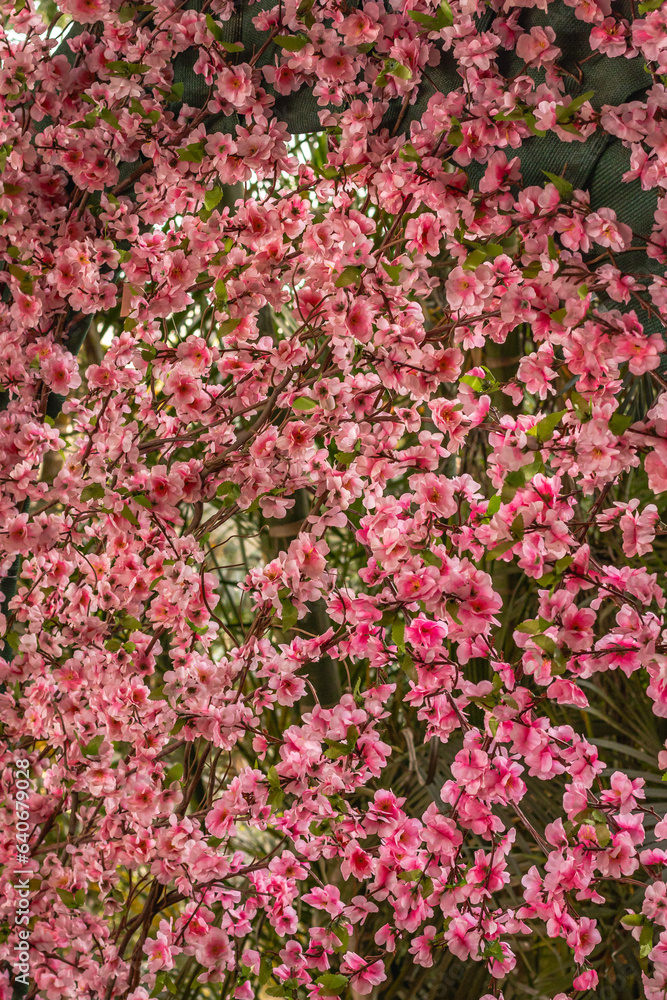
{"x":587,"y":980}
{"x":423,"y":234}
{"x":363,"y":975}
{"x":609,"y":37}
{"x":464,"y":289}
{"x":215,"y":950}
{"x":26,"y":310}
{"x":584,"y":938}
{"x":604,"y":229}
{"x":160,"y":952}
{"x":358,"y":321}
{"x":361,"y":27}
{"x":327,"y":898}
{"x":536,"y":46}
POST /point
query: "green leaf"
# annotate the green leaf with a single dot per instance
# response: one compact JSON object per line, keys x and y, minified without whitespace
{"x":292,"y":43}
{"x":619,"y":423}
{"x":564,"y":188}
{"x":12,"y":640}
{"x":633,"y":919}
{"x":646,"y":940}
{"x":412,"y":876}
{"x":173,"y":95}
{"x":393,"y":270}
{"x":408,"y":667}
{"x":343,"y":936}
{"x":398,"y":634}
{"x":517,"y":527}
{"x":546,"y":644}
{"x":265,"y":971}
{"x":572,"y":129}
{"x":275,"y":991}
{"x":67,"y":897}
{"x":174,"y":773}
{"x":160,"y":984}
{"x":410,"y":155}
{"x":142,"y":500}
{"x":493,"y":505}
{"x":149,"y":352}
{"x":528,"y":471}
{"x":228,"y":489}
{"x":109,"y":117}
{"x":113,"y":645}
{"x":332,"y":984}
{"x":474,"y":259}
{"x":531,"y":122}
{"x":92,"y":492}
{"x":212,"y":198}
{"x":119,"y":68}
{"x":500,"y":550}
{"x":194,"y":153}
{"x":474,"y":381}
{"x":443,"y":19}
{"x":533,"y":626}
{"x":289,"y":615}
{"x":129,"y":621}
{"x":452,"y":610}
{"x":227,"y":325}
{"x":544,"y":428}
{"x":303,"y":12}
{"x":602,"y":833}
{"x":493,"y":250}
{"x":564,"y":114}
{"x":129,"y":516}
{"x":17,"y":272}
{"x":455,"y":136}
{"x":93,"y":747}
{"x":649,"y":5}
{"x":232,"y":46}
{"x":532,"y":270}
{"x":220,"y":292}
{"x":392,"y":67}
{"x":197,"y":628}
{"x":304,"y":403}
{"x":346,"y":457}
{"x":214,"y":28}
{"x":493,"y":949}
{"x":348,"y":276}
{"x":398,"y":69}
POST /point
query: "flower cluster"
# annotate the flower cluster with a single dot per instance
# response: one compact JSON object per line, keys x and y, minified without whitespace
{"x":328,"y":336}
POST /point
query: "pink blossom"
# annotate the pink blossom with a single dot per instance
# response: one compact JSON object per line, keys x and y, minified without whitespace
{"x":536,"y":47}
{"x":364,"y":975}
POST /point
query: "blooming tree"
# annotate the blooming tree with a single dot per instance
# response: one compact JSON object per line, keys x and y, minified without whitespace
{"x":320,"y":773}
